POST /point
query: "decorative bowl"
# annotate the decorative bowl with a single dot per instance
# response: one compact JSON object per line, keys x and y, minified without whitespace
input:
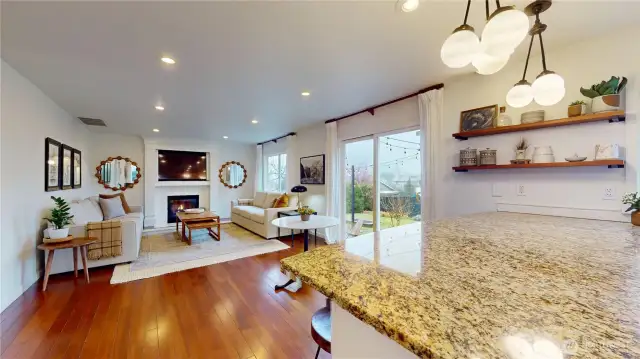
{"x":194,"y":210}
{"x":575,"y":159}
{"x":543,"y":159}
{"x":532,"y":117}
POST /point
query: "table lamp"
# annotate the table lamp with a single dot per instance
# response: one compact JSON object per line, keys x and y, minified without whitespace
{"x":298,"y":190}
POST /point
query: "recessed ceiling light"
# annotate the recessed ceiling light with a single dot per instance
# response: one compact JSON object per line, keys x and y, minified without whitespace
{"x":306,"y":93}
{"x":254,"y":121}
{"x":225,"y":137}
{"x":159,"y":108}
{"x":408,"y":5}
{"x":168,"y":60}
{"x":156,"y":130}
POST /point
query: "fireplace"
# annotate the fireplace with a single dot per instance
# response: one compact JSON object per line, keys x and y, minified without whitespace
{"x":176,"y":203}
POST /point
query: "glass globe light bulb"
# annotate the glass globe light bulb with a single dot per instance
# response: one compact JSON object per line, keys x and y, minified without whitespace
{"x":548,"y":88}
{"x":520,"y":95}
{"x":460,"y":47}
{"x":409,"y":5}
{"x":488,"y":65}
{"x":504,"y":31}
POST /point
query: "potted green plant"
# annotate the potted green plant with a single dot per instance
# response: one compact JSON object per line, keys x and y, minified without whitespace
{"x":633,"y":200}
{"x":521,"y":148}
{"x":305,"y":213}
{"x":605,"y":95}
{"x":577,"y":108}
{"x":59,"y":219}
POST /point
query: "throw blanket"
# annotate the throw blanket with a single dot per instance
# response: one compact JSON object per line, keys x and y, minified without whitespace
{"x":109,"y":244}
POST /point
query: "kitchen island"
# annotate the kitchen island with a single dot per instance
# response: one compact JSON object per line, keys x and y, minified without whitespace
{"x":491,"y":285}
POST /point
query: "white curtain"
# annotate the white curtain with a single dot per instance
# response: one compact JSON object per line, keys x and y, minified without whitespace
{"x":332,"y":183}
{"x":430,"y":108}
{"x":293,"y":169}
{"x":258,"y":180}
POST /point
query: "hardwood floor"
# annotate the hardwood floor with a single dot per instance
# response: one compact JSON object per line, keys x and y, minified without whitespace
{"x":227,"y":310}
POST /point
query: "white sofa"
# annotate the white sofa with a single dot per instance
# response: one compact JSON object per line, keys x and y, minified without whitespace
{"x":256,"y":214}
{"x":88,"y":210}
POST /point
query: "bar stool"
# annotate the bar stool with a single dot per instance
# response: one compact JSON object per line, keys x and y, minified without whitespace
{"x":321,"y":328}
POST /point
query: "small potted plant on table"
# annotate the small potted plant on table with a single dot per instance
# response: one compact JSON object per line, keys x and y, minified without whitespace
{"x":60,"y":218}
{"x":577,"y":108}
{"x":605,"y":95}
{"x":305,"y":213}
{"x":633,"y":200}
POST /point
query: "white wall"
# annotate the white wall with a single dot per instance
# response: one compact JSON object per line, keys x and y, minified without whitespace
{"x":310,"y":141}
{"x":105,"y":145}
{"x":28,"y":117}
{"x":569,"y":191}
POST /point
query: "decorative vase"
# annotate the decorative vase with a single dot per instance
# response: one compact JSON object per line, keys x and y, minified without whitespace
{"x":635,"y":218}
{"x":605,"y":103}
{"x":520,"y":154}
{"x":503,"y":118}
{"x":577,"y":110}
{"x":305,"y":217}
{"x":58,"y":233}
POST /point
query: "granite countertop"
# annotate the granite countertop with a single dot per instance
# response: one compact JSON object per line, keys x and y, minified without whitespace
{"x":476,"y":286}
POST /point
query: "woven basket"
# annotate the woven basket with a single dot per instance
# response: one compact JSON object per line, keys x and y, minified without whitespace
{"x":58,"y":240}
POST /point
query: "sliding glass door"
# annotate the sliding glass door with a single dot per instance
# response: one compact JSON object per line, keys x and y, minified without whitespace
{"x":381,"y":182}
{"x":359,"y":189}
{"x":400,"y":178}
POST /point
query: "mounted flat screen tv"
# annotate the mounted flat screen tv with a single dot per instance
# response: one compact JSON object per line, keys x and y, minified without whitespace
{"x":182,"y":166}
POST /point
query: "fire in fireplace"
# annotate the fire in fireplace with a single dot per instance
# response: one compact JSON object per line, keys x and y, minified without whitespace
{"x":177,"y":203}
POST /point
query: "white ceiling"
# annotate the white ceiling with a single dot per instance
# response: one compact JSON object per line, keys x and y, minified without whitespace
{"x":243,"y":60}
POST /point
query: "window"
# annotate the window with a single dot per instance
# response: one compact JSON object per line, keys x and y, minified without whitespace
{"x":276,"y":173}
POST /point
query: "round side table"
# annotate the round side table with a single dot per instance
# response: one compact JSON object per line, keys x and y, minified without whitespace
{"x":80,"y":242}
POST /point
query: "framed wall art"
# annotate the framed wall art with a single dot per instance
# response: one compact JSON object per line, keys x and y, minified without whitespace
{"x":66,"y":169}
{"x":312,"y":169}
{"x":52,"y":151}
{"x":76,"y":173}
{"x":479,"y":118}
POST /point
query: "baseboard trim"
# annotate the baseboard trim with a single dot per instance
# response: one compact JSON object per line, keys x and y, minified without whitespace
{"x":561,"y":211}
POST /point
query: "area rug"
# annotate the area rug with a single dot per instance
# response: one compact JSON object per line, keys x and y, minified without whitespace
{"x":162,"y":253}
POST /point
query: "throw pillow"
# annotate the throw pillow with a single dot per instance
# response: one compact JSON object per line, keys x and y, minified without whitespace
{"x":84,"y":211}
{"x":270,"y":199}
{"x":258,"y":201}
{"x":282,"y":201}
{"x":125,"y":205}
{"x":112,"y":208}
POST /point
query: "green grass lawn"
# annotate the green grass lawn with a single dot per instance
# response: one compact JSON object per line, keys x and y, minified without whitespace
{"x":385,"y":222}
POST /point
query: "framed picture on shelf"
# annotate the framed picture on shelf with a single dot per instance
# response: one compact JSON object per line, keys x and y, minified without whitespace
{"x":479,"y":118}
{"x":52,"y":150}
{"x":312,"y":170}
{"x":76,"y":173}
{"x":65,"y":163}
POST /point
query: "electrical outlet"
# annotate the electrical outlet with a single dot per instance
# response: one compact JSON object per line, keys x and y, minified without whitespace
{"x":609,"y":193}
{"x":521,"y":190}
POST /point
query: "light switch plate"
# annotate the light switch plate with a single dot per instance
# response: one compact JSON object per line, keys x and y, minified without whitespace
{"x":496,"y":190}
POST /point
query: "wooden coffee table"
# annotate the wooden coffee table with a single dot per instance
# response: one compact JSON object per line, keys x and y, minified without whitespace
{"x":80,"y":242}
{"x":205,"y":220}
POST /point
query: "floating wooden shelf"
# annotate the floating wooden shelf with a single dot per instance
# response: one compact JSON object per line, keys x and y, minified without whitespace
{"x":611,"y":116}
{"x":608,"y":163}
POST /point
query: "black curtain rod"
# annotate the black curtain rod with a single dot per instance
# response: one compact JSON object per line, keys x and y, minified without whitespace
{"x":277,"y":138}
{"x":371,"y":109}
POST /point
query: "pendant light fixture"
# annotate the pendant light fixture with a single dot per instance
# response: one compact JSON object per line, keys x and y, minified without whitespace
{"x":504,"y":31}
{"x":461,"y":46}
{"x":548,"y":88}
{"x":484,"y":63}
